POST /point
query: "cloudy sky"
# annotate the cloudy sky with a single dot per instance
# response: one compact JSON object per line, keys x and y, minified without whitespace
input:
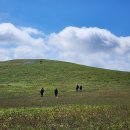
{"x":90,"y":32}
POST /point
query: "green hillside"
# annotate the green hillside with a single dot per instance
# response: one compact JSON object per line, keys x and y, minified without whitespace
{"x":32,"y":72}
{"x":102,"y":105}
{"x":21,"y":80}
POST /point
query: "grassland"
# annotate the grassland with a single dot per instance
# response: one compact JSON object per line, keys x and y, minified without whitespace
{"x":69,"y":118}
{"x":103,"y":103}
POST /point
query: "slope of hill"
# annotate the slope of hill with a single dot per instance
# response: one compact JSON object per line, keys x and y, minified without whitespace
{"x":103,"y":103}
{"x":21,"y":80}
{"x":32,"y":72}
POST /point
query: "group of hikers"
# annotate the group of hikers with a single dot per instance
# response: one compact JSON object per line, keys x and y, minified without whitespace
{"x":78,"y":88}
{"x":55,"y":92}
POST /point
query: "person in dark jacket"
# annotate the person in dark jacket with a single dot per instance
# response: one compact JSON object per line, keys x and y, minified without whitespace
{"x":42,"y":92}
{"x":81,"y":87}
{"x":56,"y":92}
{"x":77,"y":87}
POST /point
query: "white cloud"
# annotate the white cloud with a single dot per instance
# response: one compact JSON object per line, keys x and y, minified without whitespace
{"x":89,"y":46}
{"x":93,"y":47}
{"x":4,"y":54}
{"x":30,"y":30}
{"x":20,"y":42}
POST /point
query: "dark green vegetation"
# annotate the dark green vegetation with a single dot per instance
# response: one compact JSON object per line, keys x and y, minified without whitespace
{"x":21,"y":81}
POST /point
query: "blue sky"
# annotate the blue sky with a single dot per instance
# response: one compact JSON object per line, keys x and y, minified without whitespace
{"x":90,"y":32}
{"x":53,"y":15}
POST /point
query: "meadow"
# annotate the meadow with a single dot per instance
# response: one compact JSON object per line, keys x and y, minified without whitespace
{"x":103,"y":104}
{"x":67,"y":117}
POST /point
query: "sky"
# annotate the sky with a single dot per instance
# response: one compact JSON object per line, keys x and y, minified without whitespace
{"x":90,"y":32}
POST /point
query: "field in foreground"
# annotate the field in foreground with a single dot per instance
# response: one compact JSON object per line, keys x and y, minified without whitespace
{"x":67,"y":118}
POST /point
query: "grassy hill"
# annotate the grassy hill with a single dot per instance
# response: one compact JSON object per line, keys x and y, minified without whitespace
{"x":103,"y":103}
{"x":21,"y":80}
{"x":31,"y":72}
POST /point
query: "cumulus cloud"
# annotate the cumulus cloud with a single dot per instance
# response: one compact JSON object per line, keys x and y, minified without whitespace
{"x":19,"y":42}
{"x":89,"y":46}
{"x":30,"y":30}
{"x":93,"y":47}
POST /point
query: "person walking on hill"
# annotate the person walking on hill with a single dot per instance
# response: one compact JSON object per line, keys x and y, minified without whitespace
{"x":77,"y":88}
{"x":42,"y":92}
{"x":81,"y":87}
{"x":56,"y":92}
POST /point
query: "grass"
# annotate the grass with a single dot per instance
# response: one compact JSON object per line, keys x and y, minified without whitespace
{"x":21,"y":81}
{"x":31,"y":72}
{"x":103,"y":104}
{"x":67,"y":117}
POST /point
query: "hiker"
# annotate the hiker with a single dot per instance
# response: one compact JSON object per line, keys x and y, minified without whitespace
{"x":40,"y":61}
{"x":80,"y":87}
{"x":56,"y":92}
{"x":42,"y":91}
{"x":77,"y":87}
